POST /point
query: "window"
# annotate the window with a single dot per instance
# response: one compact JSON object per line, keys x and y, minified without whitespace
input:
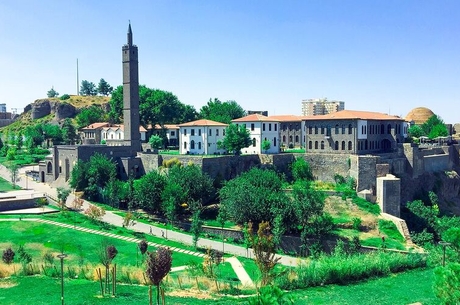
{"x":192,"y":145}
{"x":328,"y":131}
{"x":316,"y":129}
{"x":350,"y":129}
{"x":310,"y":130}
{"x":185,"y":132}
{"x":316,"y":144}
{"x":199,"y":145}
{"x":365,"y":145}
{"x":322,"y":129}
{"x":223,"y":132}
{"x":382,"y":129}
{"x":322,"y":144}
{"x":350,"y":145}
{"x":343,"y":129}
{"x":199,"y":132}
{"x":253,"y":142}
{"x":263,"y":127}
{"x":192,"y":132}
{"x":337,"y":129}
{"x":389,"y":129}
{"x":310,"y":145}
{"x":119,"y":136}
{"x":269,"y":127}
{"x":210,"y":132}
{"x":343,"y":145}
{"x":284,"y":139}
{"x":252,"y":126}
{"x":217,"y":132}
{"x":274,"y":141}
{"x":290,"y":139}
{"x":336,"y":146}
{"x":297,"y":139}
{"x":173,"y":134}
{"x":276,"y":126}
{"x":185,"y":145}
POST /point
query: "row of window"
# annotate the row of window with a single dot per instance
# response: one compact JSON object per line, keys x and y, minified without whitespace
{"x":275,"y":126}
{"x":192,"y":132}
{"x":327,"y":129}
{"x":254,"y":142}
{"x":336,"y":145}
{"x":104,"y":136}
{"x":290,"y":138}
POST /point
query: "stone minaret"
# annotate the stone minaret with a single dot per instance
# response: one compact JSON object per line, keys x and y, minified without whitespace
{"x":131,"y":95}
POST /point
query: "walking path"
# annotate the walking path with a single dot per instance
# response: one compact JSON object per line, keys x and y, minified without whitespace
{"x":112,"y":218}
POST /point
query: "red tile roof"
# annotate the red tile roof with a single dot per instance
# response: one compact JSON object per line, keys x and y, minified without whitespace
{"x":122,"y":127}
{"x":203,"y":122}
{"x":167,"y":126}
{"x":355,"y":115}
{"x":255,"y":118}
{"x":96,"y":125}
{"x":286,"y":118}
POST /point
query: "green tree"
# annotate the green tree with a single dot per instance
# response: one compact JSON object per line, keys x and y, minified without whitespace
{"x":195,"y":185}
{"x":452,"y":236}
{"x":148,"y":190}
{"x":78,"y":176}
{"x":434,"y":127}
{"x":13,"y":169}
{"x":19,"y":141}
{"x":416,"y":131}
{"x":301,"y":170}
{"x":155,"y":107}
{"x":69,"y":134}
{"x":53,"y":132}
{"x":236,"y":138}
{"x":255,"y":195}
{"x":224,"y":112}
{"x":173,"y":196}
{"x":90,"y":115}
{"x":103,"y":88}
{"x":266,"y":145}
{"x":156,"y":142}
{"x":113,"y":192}
{"x":62,"y":195}
{"x":307,"y":203}
{"x":447,"y":284}
{"x":87,"y":88}
{"x":196,"y":227}
{"x":264,"y":249}
{"x":52,"y":93}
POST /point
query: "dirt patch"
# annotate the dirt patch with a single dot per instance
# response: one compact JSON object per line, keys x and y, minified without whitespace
{"x":203,"y":295}
{"x":7,"y":284}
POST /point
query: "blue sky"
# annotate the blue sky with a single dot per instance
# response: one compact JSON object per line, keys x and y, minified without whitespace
{"x":376,"y":55}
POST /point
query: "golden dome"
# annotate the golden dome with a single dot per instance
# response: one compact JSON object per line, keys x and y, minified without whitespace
{"x":419,"y":115}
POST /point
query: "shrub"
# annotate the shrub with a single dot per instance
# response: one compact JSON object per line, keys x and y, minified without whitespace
{"x":8,"y":256}
{"x":347,"y":269}
{"x":357,"y":223}
{"x":389,"y":228}
{"x":64,"y":97}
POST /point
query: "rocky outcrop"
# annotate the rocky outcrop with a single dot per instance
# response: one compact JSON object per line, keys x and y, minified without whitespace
{"x":62,"y":110}
{"x":40,"y":108}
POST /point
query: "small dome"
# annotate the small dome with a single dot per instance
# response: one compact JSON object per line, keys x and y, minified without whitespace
{"x":419,"y":115}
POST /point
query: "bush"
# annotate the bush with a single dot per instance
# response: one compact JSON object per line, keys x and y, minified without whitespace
{"x":357,"y":223}
{"x":64,"y":97}
{"x":347,"y":269}
{"x":389,"y":229}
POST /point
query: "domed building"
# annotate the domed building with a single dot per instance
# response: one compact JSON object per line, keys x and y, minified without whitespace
{"x":419,"y":115}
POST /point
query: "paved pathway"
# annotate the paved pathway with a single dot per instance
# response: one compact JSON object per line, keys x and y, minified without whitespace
{"x":240,"y":271}
{"x":117,"y":220}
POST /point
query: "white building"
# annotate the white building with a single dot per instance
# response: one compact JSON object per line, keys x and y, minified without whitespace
{"x":201,"y":137}
{"x":171,"y":131}
{"x":260,"y":128}
{"x":114,"y":134}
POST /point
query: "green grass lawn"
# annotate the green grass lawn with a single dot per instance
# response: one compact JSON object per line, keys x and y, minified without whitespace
{"x":6,"y":186}
{"x":82,"y":247}
{"x":405,"y":288}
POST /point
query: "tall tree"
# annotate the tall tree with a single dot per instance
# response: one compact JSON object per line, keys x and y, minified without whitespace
{"x":90,"y":115}
{"x":69,"y":133}
{"x":236,"y":138}
{"x":87,"y":88}
{"x":103,"y":88}
{"x":255,"y":195}
{"x":224,"y":112}
{"x":435,"y":127}
{"x":148,"y":190}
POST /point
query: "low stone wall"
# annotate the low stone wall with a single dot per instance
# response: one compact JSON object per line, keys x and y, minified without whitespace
{"x":17,"y":203}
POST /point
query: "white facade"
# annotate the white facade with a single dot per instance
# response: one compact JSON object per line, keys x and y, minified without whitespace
{"x":116,"y":133}
{"x":201,"y":137}
{"x":260,"y":128}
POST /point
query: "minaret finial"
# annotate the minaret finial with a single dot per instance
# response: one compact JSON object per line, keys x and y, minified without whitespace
{"x":130,"y":34}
